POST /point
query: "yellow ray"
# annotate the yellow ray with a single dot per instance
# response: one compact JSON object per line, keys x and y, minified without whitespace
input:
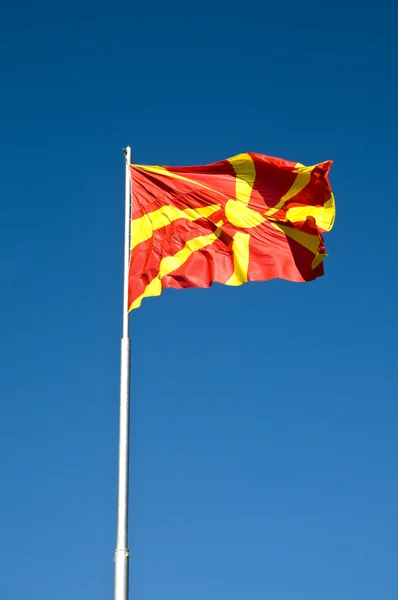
{"x":301,"y":181}
{"x":237,"y":211}
{"x":171,"y":263}
{"x":242,"y":164}
{"x":309,"y":241}
{"x":143,"y":227}
{"x":323,"y":215}
{"x":240,"y":215}
{"x":241,"y":252}
{"x":166,"y":173}
{"x":245,"y":170}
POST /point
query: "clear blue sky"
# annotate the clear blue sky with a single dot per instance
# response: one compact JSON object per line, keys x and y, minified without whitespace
{"x":264,"y":418}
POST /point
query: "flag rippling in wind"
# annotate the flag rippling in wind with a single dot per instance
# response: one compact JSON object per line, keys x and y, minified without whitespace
{"x":249,"y":218}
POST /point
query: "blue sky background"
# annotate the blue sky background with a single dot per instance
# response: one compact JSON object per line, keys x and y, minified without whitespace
{"x":264,"y":418}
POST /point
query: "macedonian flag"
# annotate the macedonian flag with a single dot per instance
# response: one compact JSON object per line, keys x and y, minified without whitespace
{"x":248,"y":218}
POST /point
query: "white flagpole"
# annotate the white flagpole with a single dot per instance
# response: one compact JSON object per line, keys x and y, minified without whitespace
{"x":122,"y":552}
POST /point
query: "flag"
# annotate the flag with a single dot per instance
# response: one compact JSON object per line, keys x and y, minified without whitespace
{"x":248,"y":218}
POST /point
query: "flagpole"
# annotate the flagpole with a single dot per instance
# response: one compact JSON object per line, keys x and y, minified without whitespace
{"x":122,"y":552}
